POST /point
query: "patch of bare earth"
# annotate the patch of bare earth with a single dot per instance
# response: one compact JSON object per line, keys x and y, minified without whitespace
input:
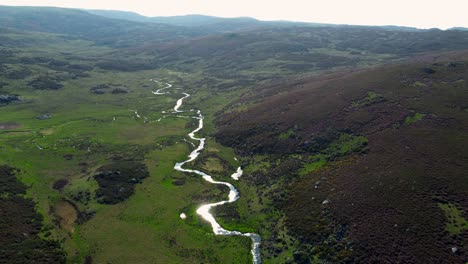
{"x":66,"y":215}
{"x":9,"y":125}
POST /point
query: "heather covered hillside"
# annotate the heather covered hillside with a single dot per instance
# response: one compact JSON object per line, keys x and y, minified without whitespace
{"x":200,"y":139}
{"x":380,"y":154}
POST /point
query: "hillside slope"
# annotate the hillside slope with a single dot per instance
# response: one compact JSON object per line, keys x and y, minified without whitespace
{"x":81,"y":24}
{"x":270,"y":51}
{"x":185,"y":20}
{"x":382,"y":154}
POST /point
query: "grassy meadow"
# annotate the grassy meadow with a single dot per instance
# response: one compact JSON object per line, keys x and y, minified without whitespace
{"x":86,"y":130}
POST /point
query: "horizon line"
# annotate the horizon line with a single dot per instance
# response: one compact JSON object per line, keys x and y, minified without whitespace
{"x":234,"y":17}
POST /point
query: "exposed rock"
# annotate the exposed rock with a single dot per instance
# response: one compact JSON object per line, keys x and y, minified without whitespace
{"x":44,"y":116}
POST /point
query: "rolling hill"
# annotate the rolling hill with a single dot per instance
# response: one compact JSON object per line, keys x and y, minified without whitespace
{"x":352,"y":139}
{"x":381,"y":153}
{"x":81,"y":24}
{"x":186,"y":20}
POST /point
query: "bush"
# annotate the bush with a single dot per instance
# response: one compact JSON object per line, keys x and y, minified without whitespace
{"x":45,"y":83}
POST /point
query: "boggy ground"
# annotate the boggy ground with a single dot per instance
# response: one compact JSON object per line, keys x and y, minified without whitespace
{"x":395,"y":190}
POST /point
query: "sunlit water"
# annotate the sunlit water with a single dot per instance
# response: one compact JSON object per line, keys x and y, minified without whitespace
{"x":204,"y":210}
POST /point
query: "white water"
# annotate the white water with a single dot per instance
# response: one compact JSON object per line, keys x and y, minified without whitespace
{"x":137,"y":115}
{"x":158,"y":92}
{"x":179,"y":103}
{"x":190,"y":142}
{"x":236,"y":175}
{"x":204,"y":210}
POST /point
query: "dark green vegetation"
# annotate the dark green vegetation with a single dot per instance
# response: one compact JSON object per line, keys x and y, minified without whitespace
{"x":45,"y":83}
{"x":116,"y":181}
{"x":8,"y":98}
{"x":108,"y":88}
{"x":345,"y":160}
{"x":20,"y":226}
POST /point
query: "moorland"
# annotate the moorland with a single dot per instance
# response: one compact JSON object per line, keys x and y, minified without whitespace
{"x":352,"y":139}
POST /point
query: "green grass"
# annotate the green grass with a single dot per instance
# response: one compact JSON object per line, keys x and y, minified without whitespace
{"x":414,"y":118}
{"x":318,"y":162}
{"x":147,"y":227}
{"x":456,"y":223}
{"x":287,"y":134}
{"x":149,"y":222}
{"x":79,"y":246}
{"x":419,"y":84}
{"x":345,"y":145}
{"x":371,"y":98}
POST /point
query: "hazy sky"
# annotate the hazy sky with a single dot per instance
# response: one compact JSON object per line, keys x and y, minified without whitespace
{"x":417,"y":13}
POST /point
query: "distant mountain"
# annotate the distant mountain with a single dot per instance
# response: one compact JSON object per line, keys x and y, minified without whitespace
{"x":186,"y":20}
{"x":128,"y":29}
{"x":57,"y":20}
{"x":459,"y":28}
{"x":211,"y":24}
{"x":118,"y":28}
{"x":82,"y":24}
{"x":125,"y":15}
{"x":221,"y":23}
{"x":400,"y":28}
{"x":207,"y":24}
{"x":201,"y":20}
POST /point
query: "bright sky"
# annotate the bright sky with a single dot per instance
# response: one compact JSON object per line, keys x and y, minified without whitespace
{"x":416,"y":13}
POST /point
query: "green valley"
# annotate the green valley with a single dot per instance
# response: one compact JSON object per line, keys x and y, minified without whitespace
{"x":351,"y":140}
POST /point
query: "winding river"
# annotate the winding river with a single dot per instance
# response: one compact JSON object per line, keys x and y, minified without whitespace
{"x":204,"y":210}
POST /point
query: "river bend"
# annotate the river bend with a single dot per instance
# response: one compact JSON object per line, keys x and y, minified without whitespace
{"x":204,"y":210}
